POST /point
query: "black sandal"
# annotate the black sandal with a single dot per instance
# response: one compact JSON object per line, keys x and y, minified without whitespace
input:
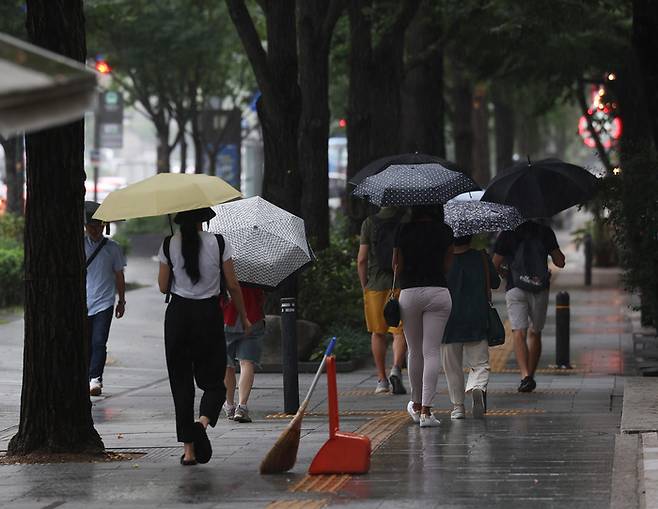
{"x":202,"y":447}
{"x":185,"y":462}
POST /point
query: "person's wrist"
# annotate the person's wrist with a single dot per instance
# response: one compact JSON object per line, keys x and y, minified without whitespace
{"x":121,"y":301}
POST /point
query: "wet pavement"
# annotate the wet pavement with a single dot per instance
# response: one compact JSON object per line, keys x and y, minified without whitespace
{"x":551,"y":448}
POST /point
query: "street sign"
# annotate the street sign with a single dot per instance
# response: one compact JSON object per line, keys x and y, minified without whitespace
{"x":109,"y":120}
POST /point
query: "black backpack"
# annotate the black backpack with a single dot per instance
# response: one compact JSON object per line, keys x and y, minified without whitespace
{"x":222,"y":281}
{"x":383,"y":238}
{"x":529,"y":268}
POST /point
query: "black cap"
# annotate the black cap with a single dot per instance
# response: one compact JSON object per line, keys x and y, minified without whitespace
{"x":90,"y":209}
{"x":194,"y":216}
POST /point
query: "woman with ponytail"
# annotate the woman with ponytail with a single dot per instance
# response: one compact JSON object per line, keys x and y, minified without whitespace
{"x":191,"y":269}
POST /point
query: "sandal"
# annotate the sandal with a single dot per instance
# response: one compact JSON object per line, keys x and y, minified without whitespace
{"x":185,"y":462}
{"x":202,"y":447}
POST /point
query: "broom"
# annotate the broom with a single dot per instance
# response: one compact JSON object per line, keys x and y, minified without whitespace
{"x":283,"y":454}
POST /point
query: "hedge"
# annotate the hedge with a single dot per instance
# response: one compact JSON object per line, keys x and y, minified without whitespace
{"x":11,"y":276}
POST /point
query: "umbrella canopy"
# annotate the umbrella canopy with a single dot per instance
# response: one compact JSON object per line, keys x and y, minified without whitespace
{"x":542,"y":188}
{"x":411,"y":185}
{"x":472,"y":217}
{"x":165,"y":193}
{"x":269,"y":243}
{"x":40,"y":89}
{"x":381,"y":164}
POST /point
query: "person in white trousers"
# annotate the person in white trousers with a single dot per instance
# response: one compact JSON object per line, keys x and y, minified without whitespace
{"x":465,"y":338}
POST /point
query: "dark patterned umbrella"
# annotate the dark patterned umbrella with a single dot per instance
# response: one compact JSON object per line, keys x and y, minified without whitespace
{"x":411,"y":185}
{"x":472,"y":217}
{"x":269,"y":242}
{"x":541,"y":188}
{"x":381,"y":164}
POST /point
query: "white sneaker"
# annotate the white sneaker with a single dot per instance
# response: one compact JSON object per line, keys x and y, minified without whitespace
{"x":229,"y":410}
{"x":383,"y":387}
{"x":415,"y":416}
{"x":458,"y":412}
{"x":428,"y":421}
{"x":95,"y":387}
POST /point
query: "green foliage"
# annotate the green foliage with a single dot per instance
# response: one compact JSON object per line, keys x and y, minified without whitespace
{"x":156,"y":224}
{"x":631,"y":200}
{"x":11,"y":276}
{"x":329,"y":290}
{"x":12,"y":18}
{"x":11,"y":230}
{"x":352,"y":343}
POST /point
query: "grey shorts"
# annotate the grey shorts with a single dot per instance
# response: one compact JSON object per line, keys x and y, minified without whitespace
{"x":244,"y":348}
{"x":526,"y":309}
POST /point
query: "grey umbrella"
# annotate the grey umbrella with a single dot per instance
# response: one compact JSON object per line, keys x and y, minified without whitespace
{"x":472,"y":217}
{"x":410,"y":185}
{"x":269,"y":242}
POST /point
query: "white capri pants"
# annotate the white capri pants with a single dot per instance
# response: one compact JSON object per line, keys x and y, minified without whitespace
{"x":475,"y":356}
{"x":425,"y":312}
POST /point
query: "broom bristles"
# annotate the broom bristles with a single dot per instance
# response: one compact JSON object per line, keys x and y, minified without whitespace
{"x":283,"y":454}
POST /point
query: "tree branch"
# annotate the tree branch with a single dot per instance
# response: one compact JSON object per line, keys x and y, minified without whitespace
{"x":244,"y":25}
{"x":334,"y":12}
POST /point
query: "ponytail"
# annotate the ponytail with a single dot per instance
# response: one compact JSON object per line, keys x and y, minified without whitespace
{"x":190,"y":243}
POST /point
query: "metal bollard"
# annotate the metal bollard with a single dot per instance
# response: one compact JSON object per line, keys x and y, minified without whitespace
{"x":587,"y":244}
{"x":562,"y":324}
{"x":289,"y":355}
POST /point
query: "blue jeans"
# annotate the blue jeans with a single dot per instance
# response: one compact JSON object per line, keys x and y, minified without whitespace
{"x":99,"y":331}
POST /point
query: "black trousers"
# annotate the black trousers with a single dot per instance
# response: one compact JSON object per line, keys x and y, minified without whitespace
{"x":196,"y":350}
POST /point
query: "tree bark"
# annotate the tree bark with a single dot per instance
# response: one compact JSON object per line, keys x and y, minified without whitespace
{"x":55,"y":407}
{"x":279,"y":104}
{"x":504,"y":129}
{"x":480,"y":120}
{"x":423,"y":104}
{"x":15,"y":173}
{"x":316,"y":21}
{"x":645,"y":45}
{"x":462,"y":98}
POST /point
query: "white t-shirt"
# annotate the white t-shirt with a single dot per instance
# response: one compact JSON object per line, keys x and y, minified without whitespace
{"x":209,"y":267}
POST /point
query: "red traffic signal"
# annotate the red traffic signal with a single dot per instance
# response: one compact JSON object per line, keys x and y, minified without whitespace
{"x":103,"y":67}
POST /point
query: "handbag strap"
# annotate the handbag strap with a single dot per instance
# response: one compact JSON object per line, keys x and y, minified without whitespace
{"x":95,"y":253}
{"x":395,"y":273}
{"x":487,"y":281}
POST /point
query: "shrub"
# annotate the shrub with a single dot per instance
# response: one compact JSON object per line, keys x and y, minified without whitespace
{"x":329,"y":290}
{"x":11,"y":230}
{"x":156,"y":224}
{"x":351,"y":344}
{"x":11,"y":276}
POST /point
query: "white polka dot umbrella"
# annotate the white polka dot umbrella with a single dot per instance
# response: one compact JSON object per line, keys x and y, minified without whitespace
{"x":412,"y":185}
{"x":269,"y":242}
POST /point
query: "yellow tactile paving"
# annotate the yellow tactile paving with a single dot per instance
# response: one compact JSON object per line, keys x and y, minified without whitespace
{"x":298,"y":504}
{"x":321,"y":483}
{"x":403,"y":413}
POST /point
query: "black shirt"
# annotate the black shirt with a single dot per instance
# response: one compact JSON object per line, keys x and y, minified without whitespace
{"x":507,"y":242}
{"x":423,"y":245}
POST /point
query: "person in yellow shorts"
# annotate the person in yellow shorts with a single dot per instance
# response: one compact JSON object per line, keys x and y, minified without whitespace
{"x":374,"y":263}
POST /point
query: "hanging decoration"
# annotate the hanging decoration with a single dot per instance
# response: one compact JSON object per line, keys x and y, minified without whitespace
{"x":604,"y":117}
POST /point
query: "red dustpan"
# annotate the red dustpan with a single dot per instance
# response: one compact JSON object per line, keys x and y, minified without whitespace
{"x":344,"y":452}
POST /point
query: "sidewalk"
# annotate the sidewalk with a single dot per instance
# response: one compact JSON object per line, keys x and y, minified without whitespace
{"x":554,"y":447}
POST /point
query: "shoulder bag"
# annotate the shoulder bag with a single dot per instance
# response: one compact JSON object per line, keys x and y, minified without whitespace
{"x":495,"y":328}
{"x":392,"y":306}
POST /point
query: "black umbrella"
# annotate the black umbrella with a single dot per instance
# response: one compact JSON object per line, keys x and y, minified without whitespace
{"x":412,"y":185}
{"x":381,"y":164}
{"x":541,"y":188}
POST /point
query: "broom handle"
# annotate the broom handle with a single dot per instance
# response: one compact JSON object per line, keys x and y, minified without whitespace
{"x":327,"y":353}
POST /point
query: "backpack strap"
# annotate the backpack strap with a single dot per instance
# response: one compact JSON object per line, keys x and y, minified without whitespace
{"x":165,"y":250}
{"x":487,"y":279}
{"x":96,"y":251}
{"x":222,"y":280}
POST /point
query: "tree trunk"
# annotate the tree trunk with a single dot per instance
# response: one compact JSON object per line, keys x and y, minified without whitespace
{"x":423,"y":105}
{"x":15,"y":176}
{"x":55,"y":407}
{"x":529,"y":139}
{"x":480,"y":119}
{"x":313,"y":44}
{"x":183,"y":153}
{"x":462,"y":98}
{"x":359,"y":118}
{"x":645,"y":45}
{"x":504,"y":129}
{"x":163,"y":150}
{"x":197,"y":141}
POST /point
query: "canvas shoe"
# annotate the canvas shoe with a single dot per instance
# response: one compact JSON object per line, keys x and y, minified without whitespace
{"x":242,"y":414}
{"x":395,"y":378}
{"x":383,"y":387}
{"x":415,"y":416}
{"x":229,"y":410}
{"x":428,"y":421}
{"x":95,"y":387}
{"x":458,"y":412}
{"x":478,"y":403}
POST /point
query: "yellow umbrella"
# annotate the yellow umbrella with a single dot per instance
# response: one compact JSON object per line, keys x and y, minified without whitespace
{"x":165,"y":193}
